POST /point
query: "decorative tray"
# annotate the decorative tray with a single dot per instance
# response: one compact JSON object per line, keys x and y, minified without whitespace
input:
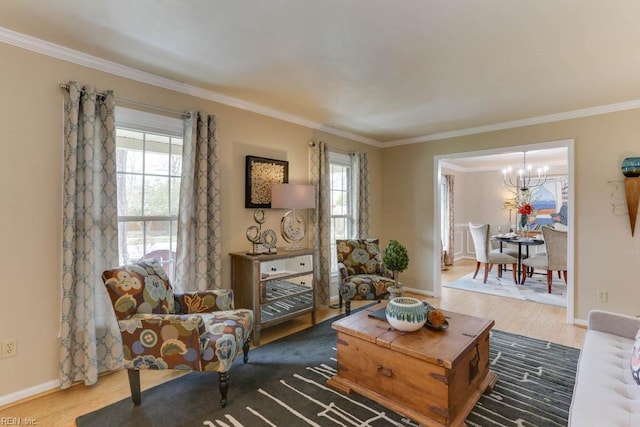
{"x":444,"y":326}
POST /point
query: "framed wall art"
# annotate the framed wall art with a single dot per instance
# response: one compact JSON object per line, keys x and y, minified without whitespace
{"x":260,"y":175}
{"x":550,"y":202}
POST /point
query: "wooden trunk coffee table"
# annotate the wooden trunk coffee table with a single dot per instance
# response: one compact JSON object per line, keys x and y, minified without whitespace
{"x":434,"y":377}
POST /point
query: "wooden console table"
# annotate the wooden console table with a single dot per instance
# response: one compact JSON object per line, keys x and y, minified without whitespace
{"x":434,"y":377}
{"x":277,"y":287}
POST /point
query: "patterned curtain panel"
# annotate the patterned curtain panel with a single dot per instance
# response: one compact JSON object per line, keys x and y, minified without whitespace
{"x":90,"y":338}
{"x":449,"y":224}
{"x":199,"y":251}
{"x":360,"y":166}
{"x":320,"y":224}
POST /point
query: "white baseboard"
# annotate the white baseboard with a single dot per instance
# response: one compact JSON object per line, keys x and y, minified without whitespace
{"x":580,"y":322}
{"x":418,"y":291}
{"x":28,"y":392}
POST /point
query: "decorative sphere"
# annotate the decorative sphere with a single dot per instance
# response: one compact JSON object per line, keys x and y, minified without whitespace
{"x":631,"y":167}
{"x":406,"y":314}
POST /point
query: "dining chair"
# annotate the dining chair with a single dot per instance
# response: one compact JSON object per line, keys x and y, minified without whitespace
{"x":487,"y":256}
{"x":554,"y":259}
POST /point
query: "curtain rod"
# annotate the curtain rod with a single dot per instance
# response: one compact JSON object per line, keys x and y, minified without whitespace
{"x":65,"y":86}
{"x":335,"y":150}
{"x":151,"y":107}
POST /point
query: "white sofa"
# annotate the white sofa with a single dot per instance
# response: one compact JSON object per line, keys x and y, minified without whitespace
{"x":605,"y":393}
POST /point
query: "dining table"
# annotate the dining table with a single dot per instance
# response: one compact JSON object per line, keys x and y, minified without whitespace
{"x":521,"y":241}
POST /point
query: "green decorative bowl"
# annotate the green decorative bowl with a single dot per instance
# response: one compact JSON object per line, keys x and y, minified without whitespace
{"x":406,"y":314}
{"x":631,"y":167}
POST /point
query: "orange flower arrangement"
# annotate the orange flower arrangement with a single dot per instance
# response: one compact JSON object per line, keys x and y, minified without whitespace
{"x":526,"y":209}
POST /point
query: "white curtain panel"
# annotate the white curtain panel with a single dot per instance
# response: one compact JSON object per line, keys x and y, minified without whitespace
{"x":199,"y":250}
{"x":320,"y":224}
{"x":89,"y":334}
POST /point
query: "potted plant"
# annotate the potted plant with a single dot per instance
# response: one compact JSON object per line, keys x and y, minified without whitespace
{"x":396,"y":259}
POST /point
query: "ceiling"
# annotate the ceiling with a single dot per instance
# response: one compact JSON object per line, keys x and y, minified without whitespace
{"x":553,"y":158}
{"x":387,"y":71}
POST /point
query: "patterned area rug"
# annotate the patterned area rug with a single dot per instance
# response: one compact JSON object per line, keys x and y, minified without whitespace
{"x":284,"y":384}
{"x":535,"y":288}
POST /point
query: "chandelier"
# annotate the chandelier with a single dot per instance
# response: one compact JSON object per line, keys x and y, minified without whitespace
{"x":523,"y":181}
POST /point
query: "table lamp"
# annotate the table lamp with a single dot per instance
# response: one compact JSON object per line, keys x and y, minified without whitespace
{"x":293,"y":225}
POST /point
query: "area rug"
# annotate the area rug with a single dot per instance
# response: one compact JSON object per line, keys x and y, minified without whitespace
{"x":284,"y":384}
{"x":534,"y":289}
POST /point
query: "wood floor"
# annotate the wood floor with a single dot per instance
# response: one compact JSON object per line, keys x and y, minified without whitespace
{"x":62,"y":407}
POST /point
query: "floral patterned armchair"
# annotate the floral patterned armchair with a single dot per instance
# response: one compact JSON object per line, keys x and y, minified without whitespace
{"x":198,"y":331}
{"x":362,"y":275}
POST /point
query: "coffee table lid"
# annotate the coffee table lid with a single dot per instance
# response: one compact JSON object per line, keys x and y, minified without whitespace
{"x":442,"y":347}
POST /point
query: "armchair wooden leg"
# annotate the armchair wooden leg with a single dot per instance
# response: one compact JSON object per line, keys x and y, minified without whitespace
{"x":224,"y":387}
{"x":524,"y":274}
{"x":514,"y":267}
{"x":477,"y":269}
{"x":134,"y":384}
{"x":549,"y":279}
{"x":487,"y":268}
{"x":245,"y":349}
{"x":564,"y":273}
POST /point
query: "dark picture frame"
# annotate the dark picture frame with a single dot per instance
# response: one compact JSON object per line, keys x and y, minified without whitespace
{"x":260,"y":175}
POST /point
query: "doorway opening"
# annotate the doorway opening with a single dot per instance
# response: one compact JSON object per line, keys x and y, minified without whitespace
{"x":487,"y":203}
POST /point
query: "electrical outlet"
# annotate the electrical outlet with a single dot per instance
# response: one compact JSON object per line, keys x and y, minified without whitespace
{"x":601,"y":296}
{"x":9,"y":348}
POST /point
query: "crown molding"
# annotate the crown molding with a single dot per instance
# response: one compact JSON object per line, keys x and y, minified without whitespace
{"x":575,"y":114}
{"x":69,"y":55}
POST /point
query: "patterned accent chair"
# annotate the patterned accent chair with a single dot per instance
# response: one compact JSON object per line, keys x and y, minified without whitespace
{"x":362,"y":272}
{"x":197,"y":331}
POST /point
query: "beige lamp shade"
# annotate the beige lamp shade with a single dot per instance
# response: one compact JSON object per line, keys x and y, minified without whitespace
{"x":293,"y":196}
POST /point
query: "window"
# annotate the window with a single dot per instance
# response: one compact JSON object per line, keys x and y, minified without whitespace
{"x":342,"y":209}
{"x":149,"y":168}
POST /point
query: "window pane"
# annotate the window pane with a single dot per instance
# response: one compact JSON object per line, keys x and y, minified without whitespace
{"x":156,"y":162}
{"x":176,"y":157}
{"x":156,"y":195}
{"x":338,"y":181}
{"x":174,"y":235}
{"x":158,"y":238}
{"x":339,"y":229}
{"x":175,"y":196}
{"x":162,"y":139}
{"x":129,"y":151}
{"x":130,"y":241}
{"x":339,"y":203}
{"x":158,"y":244}
{"x":129,"y":194}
